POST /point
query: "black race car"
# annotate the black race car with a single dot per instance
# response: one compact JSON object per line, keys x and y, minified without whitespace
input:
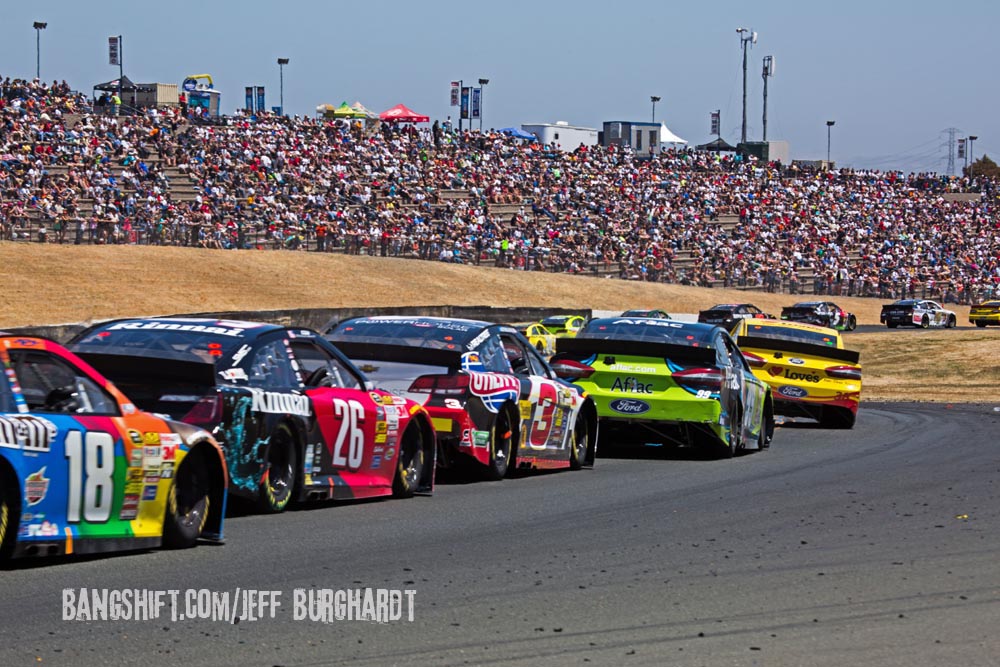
{"x":651,"y":312}
{"x":295,"y":417}
{"x":727,"y":315}
{"x":820,"y":313}
{"x":493,"y":398}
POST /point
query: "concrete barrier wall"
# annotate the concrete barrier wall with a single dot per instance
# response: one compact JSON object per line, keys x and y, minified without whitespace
{"x":322,"y":318}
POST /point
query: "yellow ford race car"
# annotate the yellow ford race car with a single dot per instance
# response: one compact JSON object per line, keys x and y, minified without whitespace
{"x":985,"y":314}
{"x":541,"y":338}
{"x":810,"y":372}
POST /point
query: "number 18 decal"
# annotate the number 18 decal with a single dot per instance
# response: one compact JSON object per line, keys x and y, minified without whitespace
{"x":352,"y":416}
{"x":91,"y":465}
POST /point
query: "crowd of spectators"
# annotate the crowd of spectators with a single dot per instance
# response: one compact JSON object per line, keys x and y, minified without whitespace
{"x":68,"y":175}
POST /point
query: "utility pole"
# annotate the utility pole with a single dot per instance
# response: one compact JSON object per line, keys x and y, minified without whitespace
{"x":767,"y":73}
{"x":746,"y":37}
{"x":654,"y":99}
{"x":829,"y":125}
{"x":281,"y":83}
{"x":39,"y":27}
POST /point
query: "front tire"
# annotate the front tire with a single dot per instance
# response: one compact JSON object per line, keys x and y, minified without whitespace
{"x":924,"y":323}
{"x":278,"y":483}
{"x":410,"y":465}
{"x":188,"y":503}
{"x":951,"y":323}
{"x":501,"y":446}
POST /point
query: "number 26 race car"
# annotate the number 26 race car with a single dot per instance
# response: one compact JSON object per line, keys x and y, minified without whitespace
{"x":83,"y":471}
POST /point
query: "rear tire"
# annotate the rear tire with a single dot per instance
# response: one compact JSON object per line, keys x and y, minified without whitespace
{"x":278,"y":484}
{"x":852,"y":323}
{"x":9,"y":513}
{"x":728,"y":450}
{"x":981,"y":325}
{"x":501,"y":446}
{"x":410,"y":464}
{"x":951,"y":323}
{"x":579,"y":442}
{"x":891,"y":325}
{"x":188,"y":503}
{"x":839,"y":418}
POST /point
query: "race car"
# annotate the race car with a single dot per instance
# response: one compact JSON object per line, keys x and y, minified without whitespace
{"x":83,"y":471}
{"x":665,"y":381}
{"x":296,"y":419}
{"x":810,"y":372}
{"x":985,"y":314}
{"x":494,"y":400}
{"x":726,"y":315}
{"x":820,"y":313}
{"x":563,"y":325}
{"x":918,"y":313}
{"x":652,"y":312}
{"x":541,"y":338}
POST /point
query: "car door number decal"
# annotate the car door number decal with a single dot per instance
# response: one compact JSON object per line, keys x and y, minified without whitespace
{"x":541,"y":420}
{"x":352,"y":416}
{"x":91,"y":470}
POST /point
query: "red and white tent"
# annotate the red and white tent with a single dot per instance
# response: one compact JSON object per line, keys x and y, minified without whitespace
{"x":403,"y":114}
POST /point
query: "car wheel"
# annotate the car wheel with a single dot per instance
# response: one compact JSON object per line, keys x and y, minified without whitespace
{"x":951,"y":323}
{"x":278,"y":482}
{"x":924,"y":323}
{"x":188,"y":503}
{"x":501,"y":446}
{"x":891,"y":325}
{"x":410,"y":465}
{"x":579,"y":442}
{"x":840,"y":418}
{"x":540,"y":346}
{"x":981,"y":324}
{"x":727,"y":450}
{"x":852,"y":323}
{"x":8,"y":515}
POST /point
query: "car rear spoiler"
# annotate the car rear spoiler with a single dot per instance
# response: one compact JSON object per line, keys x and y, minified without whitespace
{"x":368,"y":351}
{"x":636,"y":348}
{"x":762,"y":342}
{"x":138,"y":366}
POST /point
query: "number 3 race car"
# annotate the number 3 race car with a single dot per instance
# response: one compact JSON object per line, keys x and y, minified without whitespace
{"x":295,"y":417}
{"x":663,"y":381}
{"x":493,"y":398}
{"x":83,"y":471}
{"x":917,"y":313}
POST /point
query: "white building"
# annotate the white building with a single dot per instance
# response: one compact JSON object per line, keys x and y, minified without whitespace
{"x":562,"y":135}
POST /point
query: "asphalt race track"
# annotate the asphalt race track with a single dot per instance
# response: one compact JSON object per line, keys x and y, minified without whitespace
{"x":877,"y":546}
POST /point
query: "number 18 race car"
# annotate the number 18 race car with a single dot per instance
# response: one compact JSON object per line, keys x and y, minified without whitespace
{"x":295,"y":417}
{"x":493,"y":398}
{"x":83,"y":471}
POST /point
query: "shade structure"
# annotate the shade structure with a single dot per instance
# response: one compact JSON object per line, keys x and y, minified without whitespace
{"x":347,"y":111}
{"x":719,"y":144}
{"x":517,"y":133}
{"x":668,"y":137}
{"x":403,"y":114}
{"x":363,"y":110}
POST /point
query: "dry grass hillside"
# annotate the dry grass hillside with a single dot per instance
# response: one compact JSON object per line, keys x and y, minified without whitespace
{"x":60,"y":284}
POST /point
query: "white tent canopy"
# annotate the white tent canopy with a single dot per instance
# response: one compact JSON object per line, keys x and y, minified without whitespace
{"x":668,"y":137}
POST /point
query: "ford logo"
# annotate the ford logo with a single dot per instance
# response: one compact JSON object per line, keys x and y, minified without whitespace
{"x":629,"y":406}
{"x":792,"y":392}
{"x":796,"y":361}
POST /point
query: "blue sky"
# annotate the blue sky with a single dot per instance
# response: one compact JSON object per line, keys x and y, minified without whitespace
{"x":892,"y":74}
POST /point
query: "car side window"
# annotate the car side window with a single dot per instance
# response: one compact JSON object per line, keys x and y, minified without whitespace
{"x":51,"y":384}
{"x":492,"y":356}
{"x":319,"y":368}
{"x":517,"y":355}
{"x":271,"y":366}
{"x":537,"y":364}
{"x":6,"y":396}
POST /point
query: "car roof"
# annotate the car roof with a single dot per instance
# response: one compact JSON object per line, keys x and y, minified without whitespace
{"x":237,"y":327}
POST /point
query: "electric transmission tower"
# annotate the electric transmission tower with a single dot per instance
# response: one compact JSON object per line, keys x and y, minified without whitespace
{"x":952,"y":131}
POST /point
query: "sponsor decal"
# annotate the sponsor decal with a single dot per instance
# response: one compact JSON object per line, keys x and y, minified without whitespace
{"x":796,"y":361}
{"x":240,"y":353}
{"x":167,"y":471}
{"x":381,"y":437}
{"x":381,"y":427}
{"x":494,"y":389}
{"x":152,"y":478}
{"x":792,"y":391}
{"x":150,"y":438}
{"x":176,"y":326}
{"x":389,"y":453}
{"x":805,"y":377}
{"x":36,"y":485}
{"x":135,"y":436}
{"x":278,"y":403}
{"x":43,"y":529}
{"x":631,"y":384}
{"x":775,"y":370}
{"x":475,"y":342}
{"x":630,"y":368}
{"x":471,"y":361}
{"x":480,"y":438}
{"x":149,"y":492}
{"x":652,"y":323}
{"x":31,"y":434}
{"x":152,"y":457}
{"x":234,"y":375}
{"x":376,"y":461}
{"x":135,"y":459}
{"x":629,"y":406}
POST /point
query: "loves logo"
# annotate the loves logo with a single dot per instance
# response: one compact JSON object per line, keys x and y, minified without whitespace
{"x":774,"y":370}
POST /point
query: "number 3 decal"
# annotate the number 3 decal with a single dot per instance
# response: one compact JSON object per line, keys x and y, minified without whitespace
{"x":95,"y":459}
{"x":352,"y":416}
{"x":541,"y":420}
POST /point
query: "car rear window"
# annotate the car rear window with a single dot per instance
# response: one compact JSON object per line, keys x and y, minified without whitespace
{"x":208,"y":341}
{"x":793,"y":334}
{"x":649,"y":330}
{"x":435,"y":334}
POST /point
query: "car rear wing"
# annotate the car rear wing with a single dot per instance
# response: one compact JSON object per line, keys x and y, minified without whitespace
{"x":636,"y":348}
{"x":368,"y":351}
{"x":762,"y":342}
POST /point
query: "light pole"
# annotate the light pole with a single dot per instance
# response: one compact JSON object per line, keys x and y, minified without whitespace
{"x":971,"y":139}
{"x":281,"y":83}
{"x":767,"y":73}
{"x":482,"y":88}
{"x":746,"y":37}
{"x":654,"y":99}
{"x":39,"y":27}
{"x":829,"y":124}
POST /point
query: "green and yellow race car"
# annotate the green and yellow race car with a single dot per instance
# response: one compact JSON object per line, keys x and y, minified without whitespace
{"x":564,"y":325}
{"x":985,"y":313}
{"x":658,"y":381}
{"x":540,"y":338}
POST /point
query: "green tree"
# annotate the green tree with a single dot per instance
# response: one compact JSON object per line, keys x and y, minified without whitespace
{"x":984,"y":166}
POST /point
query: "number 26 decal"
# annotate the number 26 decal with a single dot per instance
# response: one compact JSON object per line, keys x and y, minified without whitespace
{"x":352,"y":416}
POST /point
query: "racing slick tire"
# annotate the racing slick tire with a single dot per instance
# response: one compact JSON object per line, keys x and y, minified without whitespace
{"x":188,"y":502}
{"x":501,"y":446}
{"x":950,"y":324}
{"x":925,"y":322}
{"x":724,"y":450}
{"x":891,"y":325}
{"x":278,"y":484}
{"x":852,"y":322}
{"x":839,"y":418}
{"x":981,"y":325}
{"x":9,"y":511}
{"x":410,"y":464}
{"x":580,"y":443}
